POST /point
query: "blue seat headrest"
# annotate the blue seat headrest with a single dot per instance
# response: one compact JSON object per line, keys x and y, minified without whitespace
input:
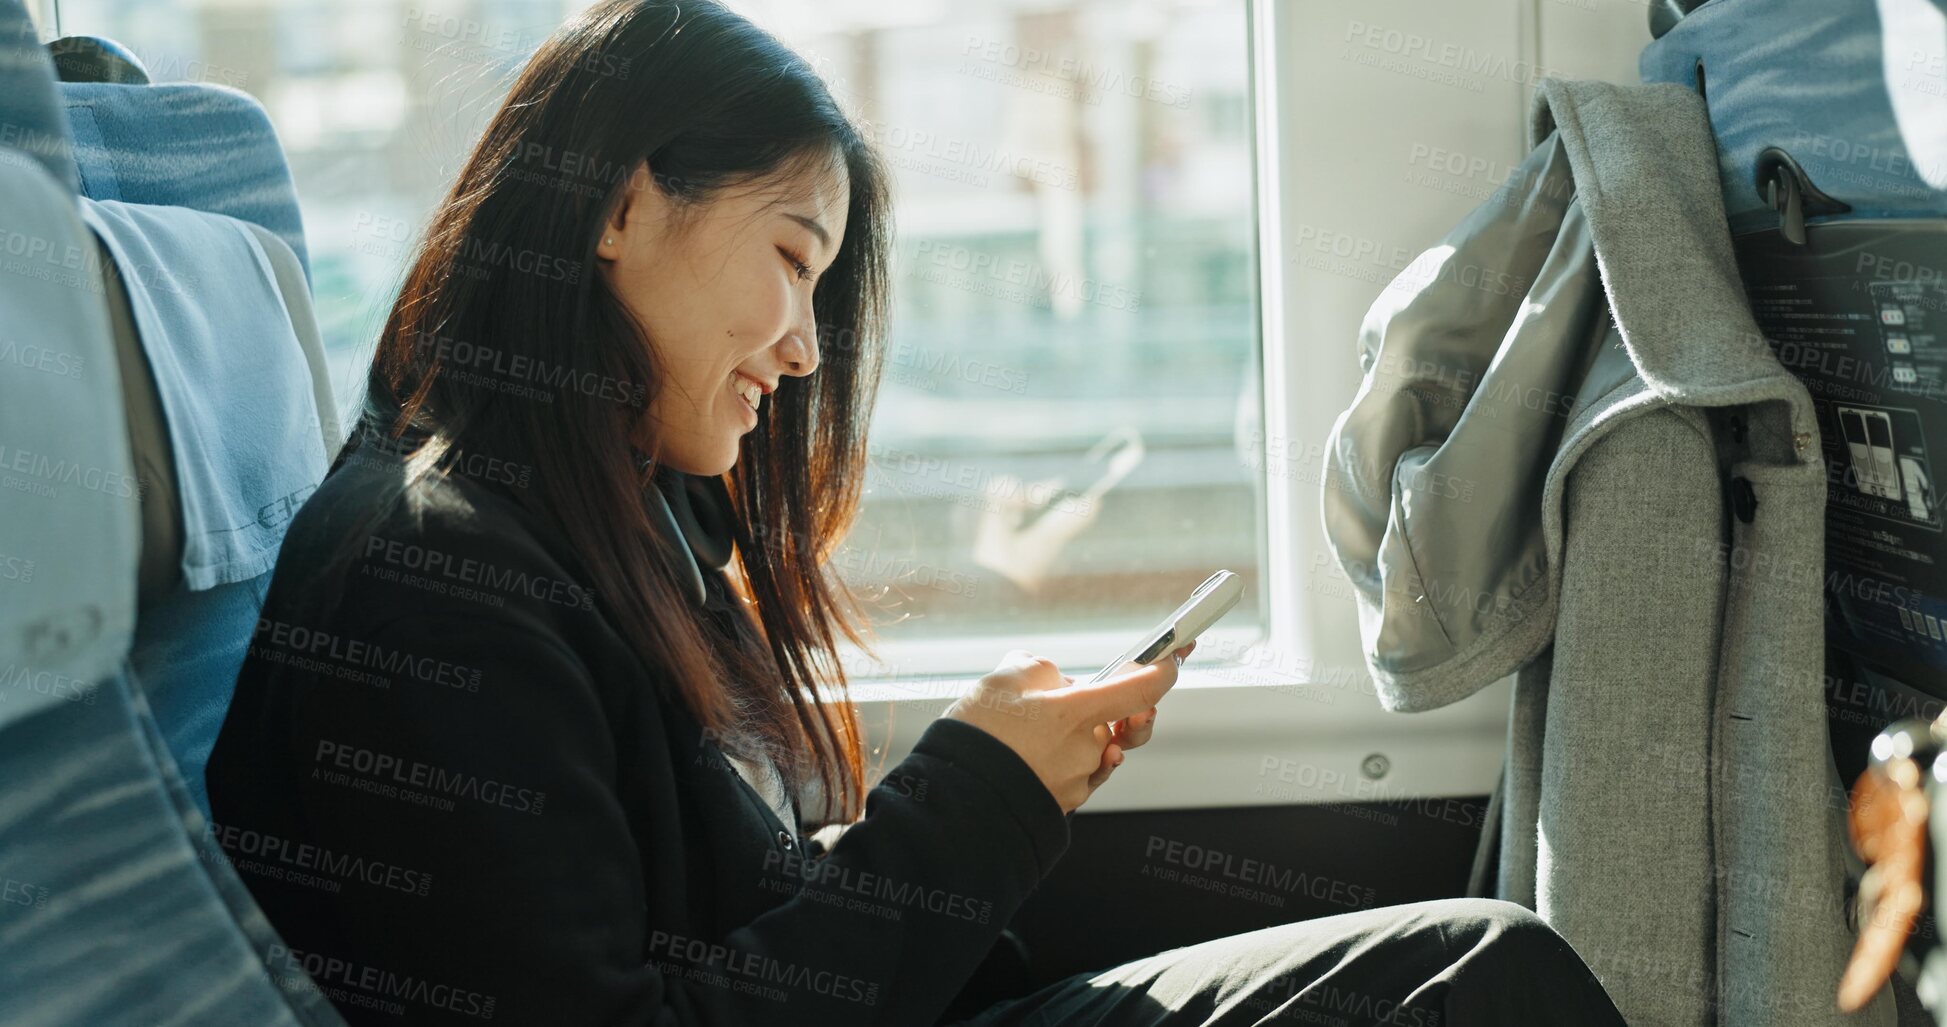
{"x":1833,"y":83}
{"x":184,"y":144}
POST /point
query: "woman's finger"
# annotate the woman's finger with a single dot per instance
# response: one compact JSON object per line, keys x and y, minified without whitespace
{"x":1125,"y":694}
{"x":1111,"y":759}
{"x":1136,"y":730}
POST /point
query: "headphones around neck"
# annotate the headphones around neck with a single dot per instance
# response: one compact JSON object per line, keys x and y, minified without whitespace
{"x":692,"y":513}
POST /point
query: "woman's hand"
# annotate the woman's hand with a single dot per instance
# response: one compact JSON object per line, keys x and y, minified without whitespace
{"x":1062,"y":730}
{"x":1132,"y":731}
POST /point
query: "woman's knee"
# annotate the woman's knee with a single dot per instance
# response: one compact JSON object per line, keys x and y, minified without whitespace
{"x":1512,"y":936}
{"x":1502,"y":930}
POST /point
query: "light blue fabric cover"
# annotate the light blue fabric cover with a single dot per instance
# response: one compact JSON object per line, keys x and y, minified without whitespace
{"x":184,"y":144}
{"x":1854,"y":90}
{"x":235,"y":388}
{"x":69,"y":507}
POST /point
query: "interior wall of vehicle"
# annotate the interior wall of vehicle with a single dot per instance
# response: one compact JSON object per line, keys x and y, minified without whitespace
{"x":1394,"y":118}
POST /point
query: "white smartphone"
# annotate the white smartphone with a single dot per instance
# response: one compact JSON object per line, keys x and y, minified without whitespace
{"x":1211,"y":600}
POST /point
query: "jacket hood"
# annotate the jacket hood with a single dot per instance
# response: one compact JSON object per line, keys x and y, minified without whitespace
{"x":1598,"y":282}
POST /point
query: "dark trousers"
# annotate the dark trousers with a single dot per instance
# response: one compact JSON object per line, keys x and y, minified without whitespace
{"x":1452,"y":963}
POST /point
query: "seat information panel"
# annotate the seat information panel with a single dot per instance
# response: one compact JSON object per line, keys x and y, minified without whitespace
{"x":1859,"y":314}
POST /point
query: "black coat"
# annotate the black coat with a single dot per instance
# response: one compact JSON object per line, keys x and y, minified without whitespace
{"x":458,"y":796}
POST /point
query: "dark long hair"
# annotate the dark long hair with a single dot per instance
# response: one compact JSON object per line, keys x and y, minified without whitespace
{"x":506,"y":342}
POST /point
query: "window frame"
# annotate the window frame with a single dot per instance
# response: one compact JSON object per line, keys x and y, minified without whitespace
{"x":1224,"y":741}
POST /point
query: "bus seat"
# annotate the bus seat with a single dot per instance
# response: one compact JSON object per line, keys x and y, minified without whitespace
{"x":68,"y":496}
{"x":240,"y":430}
{"x":95,"y":59}
{"x":1838,"y":203}
{"x":148,"y":154}
{"x":1831,"y":124}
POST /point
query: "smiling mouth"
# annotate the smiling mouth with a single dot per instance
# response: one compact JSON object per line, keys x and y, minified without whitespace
{"x":749,"y":391}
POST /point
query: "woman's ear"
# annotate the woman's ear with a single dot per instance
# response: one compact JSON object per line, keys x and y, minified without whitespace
{"x":636,"y":210}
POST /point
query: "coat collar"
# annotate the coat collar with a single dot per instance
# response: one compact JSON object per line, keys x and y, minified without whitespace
{"x":1647,"y":180}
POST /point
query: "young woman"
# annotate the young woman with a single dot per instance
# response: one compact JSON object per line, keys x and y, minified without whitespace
{"x":545,"y":694}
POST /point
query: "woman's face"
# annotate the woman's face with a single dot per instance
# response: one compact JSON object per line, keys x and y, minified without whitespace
{"x":724,"y":291}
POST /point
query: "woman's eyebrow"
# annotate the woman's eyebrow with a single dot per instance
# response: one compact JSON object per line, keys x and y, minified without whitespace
{"x":824,"y":237}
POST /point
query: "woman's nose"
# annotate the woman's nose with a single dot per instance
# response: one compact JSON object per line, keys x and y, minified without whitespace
{"x":797,"y":352}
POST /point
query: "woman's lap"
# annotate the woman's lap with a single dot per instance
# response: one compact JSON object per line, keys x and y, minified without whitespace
{"x":1448,"y":962}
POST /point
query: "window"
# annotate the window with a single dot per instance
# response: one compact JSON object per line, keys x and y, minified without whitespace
{"x":1075,"y":325}
{"x":1061,"y":447}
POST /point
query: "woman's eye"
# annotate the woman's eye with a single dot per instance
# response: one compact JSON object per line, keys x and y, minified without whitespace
{"x":803,"y":269}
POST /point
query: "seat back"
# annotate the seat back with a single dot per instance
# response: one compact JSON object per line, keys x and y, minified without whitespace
{"x":1831,"y":128}
{"x":209,"y":149}
{"x":1831,"y":123}
{"x":1830,"y":119}
{"x":69,"y":502}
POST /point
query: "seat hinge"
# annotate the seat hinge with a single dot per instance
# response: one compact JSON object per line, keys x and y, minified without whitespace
{"x":1785,"y":186}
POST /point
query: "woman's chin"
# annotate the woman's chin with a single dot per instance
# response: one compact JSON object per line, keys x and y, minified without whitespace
{"x":710,"y":464}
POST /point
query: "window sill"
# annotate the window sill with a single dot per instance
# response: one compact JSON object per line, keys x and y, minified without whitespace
{"x":1234,"y":737}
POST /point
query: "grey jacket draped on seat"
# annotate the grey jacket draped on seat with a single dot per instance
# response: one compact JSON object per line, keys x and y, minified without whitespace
{"x":1574,"y":458}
